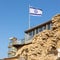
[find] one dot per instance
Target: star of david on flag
(35, 11)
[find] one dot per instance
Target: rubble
(44, 45)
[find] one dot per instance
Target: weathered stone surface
(44, 44)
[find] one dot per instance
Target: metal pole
(29, 16)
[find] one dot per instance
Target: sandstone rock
(44, 44)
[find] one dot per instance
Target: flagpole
(29, 17)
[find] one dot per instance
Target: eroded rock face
(44, 44)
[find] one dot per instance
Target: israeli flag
(35, 11)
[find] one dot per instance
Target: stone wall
(44, 44)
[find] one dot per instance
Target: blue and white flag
(35, 11)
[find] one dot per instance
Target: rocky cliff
(44, 45)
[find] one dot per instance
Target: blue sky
(14, 18)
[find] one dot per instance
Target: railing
(23, 41)
(28, 39)
(19, 42)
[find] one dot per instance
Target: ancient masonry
(44, 46)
